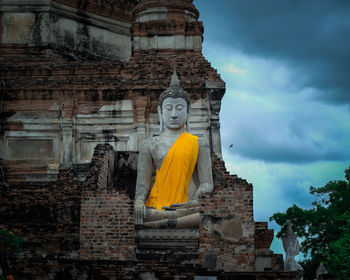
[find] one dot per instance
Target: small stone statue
(292, 248)
(321, 270)
(183, 167)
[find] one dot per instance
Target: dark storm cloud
(271, 150)
(312, 37)
(304, 132)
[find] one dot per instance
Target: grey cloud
(276, 137)
(260, 148)
(312, 37)
(292, 193)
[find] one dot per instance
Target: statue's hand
(188, 204)
(140, 211)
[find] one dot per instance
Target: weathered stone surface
(168, 238)
(167, 25)
(226, 228)
(65, 269)
(263, 236)
(265, 260)
(175, 10)
(18, 27)
(60, 24)
(47, 216)
(292, 248)
(79, 105)
(232, 199)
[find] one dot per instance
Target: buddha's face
(174, 112)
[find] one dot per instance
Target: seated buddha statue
(183, 167)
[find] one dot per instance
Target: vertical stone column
(140, 105)
(215, 91)
(67, 140)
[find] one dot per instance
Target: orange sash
(173, 178)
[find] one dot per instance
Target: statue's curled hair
(175, 91)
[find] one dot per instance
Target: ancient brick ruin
(80, 81)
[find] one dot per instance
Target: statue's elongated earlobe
(188, 120)
(160, 119)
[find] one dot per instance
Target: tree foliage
(9, 248)
(324, 228)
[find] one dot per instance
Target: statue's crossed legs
(175, 218)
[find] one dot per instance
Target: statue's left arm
(143, 182)
(204, 169)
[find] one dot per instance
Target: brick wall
(107, 218)
(46, 215)
(263, 236)
(232, 197)
(116, 9)
(68, 91)
(169, 27)
(277, 262)
(41, 269)
(104, 247)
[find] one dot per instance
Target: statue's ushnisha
(183, 167)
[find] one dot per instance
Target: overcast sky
(286, 110)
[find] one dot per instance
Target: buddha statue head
(174, 106)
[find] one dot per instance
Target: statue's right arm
(143, 182)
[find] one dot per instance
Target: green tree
(324, 228)
(9, 248)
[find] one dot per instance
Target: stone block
(62, 32)
(136, 43)
(197, 43)
(30, 149)
(166, 42)
(189, 44)
(263, 260)
(180, 42)
(18, 28)
(143, 43)
(61, 26)
(263, 236)
(226, 228)
(178, 239)
(158, 13)
(153, 42)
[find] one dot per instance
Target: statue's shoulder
(150, 143)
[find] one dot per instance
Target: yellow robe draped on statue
(173, 178)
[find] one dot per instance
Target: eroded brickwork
(74, 228)
(232, 197)
(263, 236)
(46, 215)
(106, 219)
(277, 262)
(130, 270)
(120, 10)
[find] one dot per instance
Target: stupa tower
(167, 25)
(168, 35)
